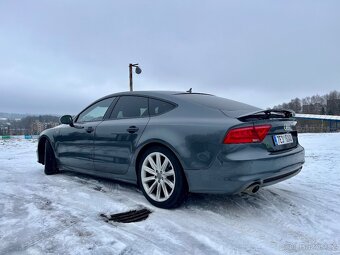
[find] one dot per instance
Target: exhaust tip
(252, 189)
(256, 189)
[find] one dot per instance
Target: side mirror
(66, 119)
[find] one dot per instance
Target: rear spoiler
(268, 114)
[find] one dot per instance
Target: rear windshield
(229, 107)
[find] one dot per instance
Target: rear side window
(157, 107)
(216, 102)
(229, 107)
(130, 107)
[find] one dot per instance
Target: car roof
(233, 108)
(165, 94)
(147, 93)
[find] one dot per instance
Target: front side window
(130, 107)
(95, 112)
(157, 107)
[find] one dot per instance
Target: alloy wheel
(158, 176)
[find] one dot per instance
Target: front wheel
(161, 178)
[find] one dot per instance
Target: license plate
(283, 139)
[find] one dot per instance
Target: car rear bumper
(232, 172)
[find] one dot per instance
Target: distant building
(17, 131)
(28, 125)
(37, 126)
(317, 123)
(4, 129)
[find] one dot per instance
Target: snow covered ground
(60, 214)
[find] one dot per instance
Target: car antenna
(190, 90)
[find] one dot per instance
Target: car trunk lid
(282, 134)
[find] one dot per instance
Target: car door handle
(132, 129)
(89, 129)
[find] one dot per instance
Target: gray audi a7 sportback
(171, 143)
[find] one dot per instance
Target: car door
(76, 144)
(116, 137)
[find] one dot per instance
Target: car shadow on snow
(268, 198)
(98, 183)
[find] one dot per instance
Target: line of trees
(326, 104)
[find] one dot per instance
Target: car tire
(50, 160)
(161, 178)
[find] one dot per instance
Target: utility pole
(138, 71)
(130, 77)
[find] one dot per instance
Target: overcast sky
(58, 56)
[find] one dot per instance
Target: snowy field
(60, 214)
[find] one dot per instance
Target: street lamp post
(138, 71)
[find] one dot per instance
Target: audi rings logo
(287, 127)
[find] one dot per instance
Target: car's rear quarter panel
(195, 134)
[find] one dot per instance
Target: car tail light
(252, 134)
